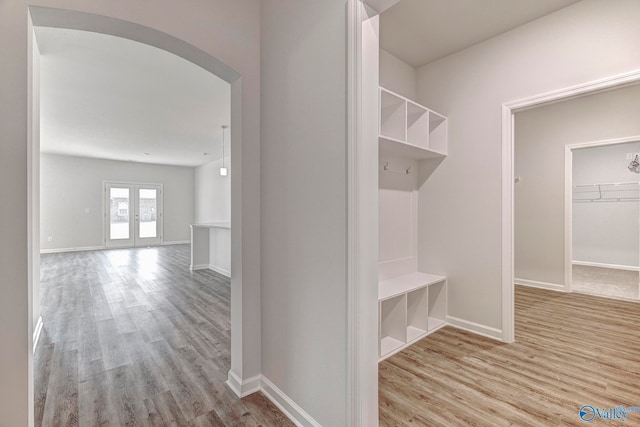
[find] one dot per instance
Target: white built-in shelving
(408, 129)
(412, 304)
(410, 307)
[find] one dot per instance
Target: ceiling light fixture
(223, 170)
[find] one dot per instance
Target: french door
(133, 214)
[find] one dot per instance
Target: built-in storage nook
(411, 303)
(409, 141)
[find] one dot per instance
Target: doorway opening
(603, 188)
(576, 210)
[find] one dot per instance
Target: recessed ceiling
(422, 31)
(111, 98)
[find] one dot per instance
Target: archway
(245, 235)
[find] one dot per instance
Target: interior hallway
(132, 337)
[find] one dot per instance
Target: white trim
(362, 230)
(241, 387)
(508, 109)
(294, 412)
(354, 284)
(603, 142)
(175, 242)
(82, 249)
(476, 328)
(568, 215)
(36, 333)
(220, 271)
(100, 248)
(618, 80)
(603, 265)
(508, 270)
(541, 285)
(211, 267)
(262, 384)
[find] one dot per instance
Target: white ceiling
(422, 31)
(113, 98)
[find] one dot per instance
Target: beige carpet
(606, 282)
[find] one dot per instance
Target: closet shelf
(609, 192)
(406, 283)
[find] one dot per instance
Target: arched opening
(245, 308)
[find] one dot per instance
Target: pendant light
(223, 170)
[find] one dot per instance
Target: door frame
(509, 109)
(133, 186)
(568, 198)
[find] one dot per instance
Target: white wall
(71, 185)
(397, 217)
(304, 206)
(462, 235)
(228, 31)
(540, 138)
(213, 204)
(607, 233)
(396, 75)
(213, 193)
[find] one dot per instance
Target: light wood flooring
(132, 337)
(571, 350)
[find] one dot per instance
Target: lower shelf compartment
(414, 333)
(435, 323)
(389, 344)
(410, 307)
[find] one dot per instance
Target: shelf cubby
(417, 125)
(437, 133)
(408, 129)
(437, 306)
(417, 313)
(393, 318)
(393, 110)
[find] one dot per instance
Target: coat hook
(408, 170)
(386, 166)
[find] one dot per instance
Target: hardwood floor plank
(133, 337)
(63, 383)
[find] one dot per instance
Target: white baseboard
(476, 328)
(541, 285)
(60, 250)
(211, 267)
(260, 383)
(99, 248)
(243, 388)
(219, 270)
(36, 333)
(286, 405)
(603, 265)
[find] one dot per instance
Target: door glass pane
(119, 213)
(148, 211)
